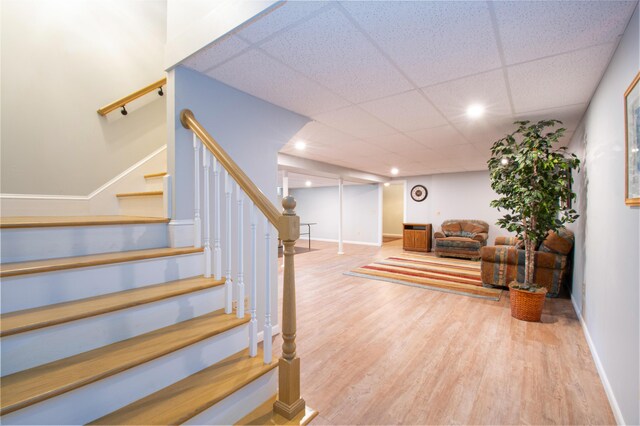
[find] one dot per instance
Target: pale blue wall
(606, 279)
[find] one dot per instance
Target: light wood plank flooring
(381, 353)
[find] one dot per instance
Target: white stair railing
(240, 280)
(197, 231)
(206, 163)
(253, 324)
(287, 224)
(228, 286)
(217, 250)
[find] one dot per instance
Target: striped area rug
(435, 273)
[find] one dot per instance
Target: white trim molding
(617, 413)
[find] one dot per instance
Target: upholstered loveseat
(461, 238)
(503, 263)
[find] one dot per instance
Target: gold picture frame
(632, 143)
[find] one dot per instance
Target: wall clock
(419, 193)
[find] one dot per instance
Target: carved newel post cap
(289, 205)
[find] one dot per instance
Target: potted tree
(533, 179)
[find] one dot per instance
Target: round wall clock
(419, 193)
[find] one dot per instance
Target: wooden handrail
(259, 199)
(135, 95)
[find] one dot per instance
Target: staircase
(134, 336)
(103, 323)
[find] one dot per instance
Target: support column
(289, 402)
(340, 197)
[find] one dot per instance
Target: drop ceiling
(387, 84)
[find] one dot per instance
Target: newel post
(289, 402)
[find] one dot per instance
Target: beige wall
(392, 209)
(61, 60)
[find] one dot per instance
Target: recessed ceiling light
(504, 161)
(475, 111)
(300, 145)
(387, 184)
(394, 171)
(308, 183)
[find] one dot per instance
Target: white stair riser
(149, 206)
(20, 245)
(35, 290)
(153, 184)
(97, 399)
(30, 349)
(240, 403)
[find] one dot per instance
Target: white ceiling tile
(406, 111)
(569, 115)
(284, 16)
(557, 26)
(257, 74)
(331, 51)
(431, 41)
(459, 152)
(355, 121)
(488, 89)
(215, 54)
(483, 132)
(315, 131)
(438, 136)
(565, 79)
(394, 143)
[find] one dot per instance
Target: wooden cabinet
(416, 237)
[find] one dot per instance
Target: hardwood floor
(374, 352)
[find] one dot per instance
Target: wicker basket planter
(526, 305)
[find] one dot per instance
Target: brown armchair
(461, 238)
(503, 263)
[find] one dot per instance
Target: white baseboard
(329, 240)
(617, 413)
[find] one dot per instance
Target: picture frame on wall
(632, 143)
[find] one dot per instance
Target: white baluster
(197, 236)
(240, 280)
(253, 325)
(268, 330)
(206, 162)
(228, 289)
(217, 251)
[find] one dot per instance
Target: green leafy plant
(533, 180)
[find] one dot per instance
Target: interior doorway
(392, 211)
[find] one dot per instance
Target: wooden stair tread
(139, 194)
(37, 384)
(32, 319)
(155, 175)
(48, 265)
(264, 415)
(181, 401)
(55, 221)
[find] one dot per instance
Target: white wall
(360, 219)
(392, 209)
(606, 278)
(61, 61)
(454, 196)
